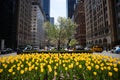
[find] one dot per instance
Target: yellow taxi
(97, 49)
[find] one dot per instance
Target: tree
(73, 42)
(60, 33)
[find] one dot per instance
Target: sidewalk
(11, 54)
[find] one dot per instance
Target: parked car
(6, 51)
(116, 49)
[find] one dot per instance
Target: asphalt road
(103, 53)
(11, 54)
(108, 53)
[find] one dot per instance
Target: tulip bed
(59, 67)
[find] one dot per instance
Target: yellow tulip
(22, 65)
(21, 71)
(55, 73)
(30, 68)
(115, 69)
(109, 73)
(115, 65)
(80, 66)
(102, 68)
(95, 73)
(77, 63)
(96, 66)
(66, 68)
(36, 68)
(10, 70)
(55, 67)
(1, 70)
(42, 70)
(13, 73)
(26, 68)
(63, 65)
(89, 68)
(18, 68)
(109, 68)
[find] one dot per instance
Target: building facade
(117, 20)
(15, 20)
(70, 7)
(99, 22)
(79, 19)
(45, 4)
(23, 22)
(7, 32)
(37, 31)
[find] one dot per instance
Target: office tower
(79, 19)
(7, 14)
(70, 7)
(15, 22)
(45, 4)
(116, 4)
(37, 31)
(23, 22)
(99, 22)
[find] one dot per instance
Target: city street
(109, 54)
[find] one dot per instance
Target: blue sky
(57, 8)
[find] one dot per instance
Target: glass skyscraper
(45, 4)
(70, 7)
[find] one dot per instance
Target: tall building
(79, 19)
(70, 7)
(7, 27)
(52, 20)
(37, 31)
(15, 22)
(23, 22)
(99, 22)
(46, 7)
(116, 4)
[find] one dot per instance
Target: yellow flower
(10, 70)
(22, 72)
(77, 63)
(4, 65)
(55, 67)
(1, 70)
(55, 73)
(26, 69)
(102, 68)
(89, 68)
(96, 66)
(22, 65)
(95, 73)
(92, 64)
(13, 73)
(80, 66)
(116, 69)
(63, 65)
(18, 68)
(115, 65)
(36, 68)
(50, 69)
(110, 73)
(66, 68)
(102, 64)
(30, 68)
(109, 68)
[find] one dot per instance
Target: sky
(57, 8)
